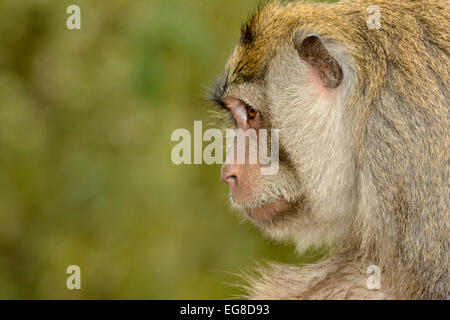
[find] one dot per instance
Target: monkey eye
(244, 115)
(251, 113)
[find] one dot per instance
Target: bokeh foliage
(85, 172)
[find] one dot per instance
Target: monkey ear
(312, 50)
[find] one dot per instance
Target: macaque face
(299, 92)
(270, 201)
(263, 198)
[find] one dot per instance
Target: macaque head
(297, 79)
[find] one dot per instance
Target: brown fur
(337, 278)
(398, 113)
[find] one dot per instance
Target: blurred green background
(85, 171)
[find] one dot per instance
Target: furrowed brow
(218, 101)
(218, 93)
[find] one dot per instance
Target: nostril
(229, 179)
(229, 174)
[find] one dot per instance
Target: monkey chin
(268, 211)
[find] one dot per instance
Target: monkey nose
(228, 175)
(230, 180)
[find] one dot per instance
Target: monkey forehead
(251, 56)
(268, 27)
(260, 36)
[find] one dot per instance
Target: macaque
(363, 119)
